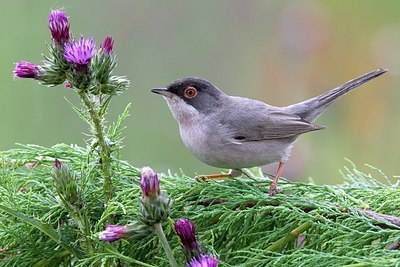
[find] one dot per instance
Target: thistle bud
(186, 233)
(57, 164)
(55, 65)
(65, 183)
(26, 69)
(113, 233)
(149, 183)
(59, 27)
(117, 232)
(107, 45)
(155, 204)
(103, 66)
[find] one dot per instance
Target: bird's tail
(312, 108)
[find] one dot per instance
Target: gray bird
(233, 132)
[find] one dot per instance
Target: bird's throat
(184, 113)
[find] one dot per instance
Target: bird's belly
(224, 153)
(247, 155)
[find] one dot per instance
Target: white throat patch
(182, 112)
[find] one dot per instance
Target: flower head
(107, 45)
(203, 261)
(65, 182)
(136, 230)
(26, 69)
(149, 183)
(155, 204)
(61, 172)
(57, 164)
(80, 52)
(59, 26)
(113, 233)
(186, 232)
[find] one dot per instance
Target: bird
(233, 132)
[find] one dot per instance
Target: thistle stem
(164, 243)
(105, 151)
(80, 218)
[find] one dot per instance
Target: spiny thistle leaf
(104, 106)
(115, 131)
(81, 113)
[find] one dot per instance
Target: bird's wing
(269, 123)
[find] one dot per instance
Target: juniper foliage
(354, 224)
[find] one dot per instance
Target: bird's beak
(162, 91)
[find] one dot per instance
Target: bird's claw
(230, 174)
(273, 190)
(200, 178)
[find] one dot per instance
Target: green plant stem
(80, 217)
(87, 231)
(127, 259)
(277, 245)
(105, 151)
(164, 243)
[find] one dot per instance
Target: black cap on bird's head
(197, 92)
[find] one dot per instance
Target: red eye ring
(190, 92)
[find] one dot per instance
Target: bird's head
(191, 97)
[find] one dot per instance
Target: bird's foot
(205, 178)
(230, 174)
(273, 190)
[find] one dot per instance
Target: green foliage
(234, 218)
(55, 201)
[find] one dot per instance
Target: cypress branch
(304, 224)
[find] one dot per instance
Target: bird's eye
(190, 92)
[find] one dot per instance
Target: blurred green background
(280, 52)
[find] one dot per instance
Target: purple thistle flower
(107, 45)
(60, 174)
(59, 26)
(26, 69)
(57, 164)
(203, 261)
(149, 183)
(80, 52)
(186, 232)
(113, 233)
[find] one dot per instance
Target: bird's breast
(214, 146)
(203, 140)
(194, 137)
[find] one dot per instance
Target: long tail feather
(312, 108)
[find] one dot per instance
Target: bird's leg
(272, 188)
(231, 174)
